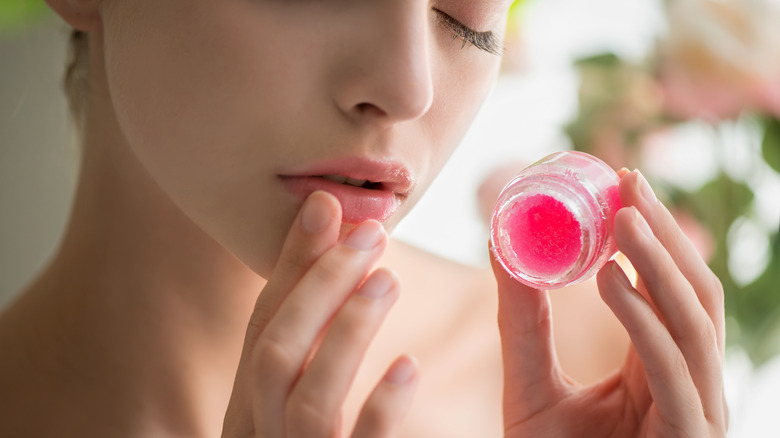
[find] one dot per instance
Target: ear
(80, 14)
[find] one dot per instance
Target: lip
(391, 184)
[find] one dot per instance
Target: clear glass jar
(552, 223)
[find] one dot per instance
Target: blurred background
(688, 91)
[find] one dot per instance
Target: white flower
(721, 56)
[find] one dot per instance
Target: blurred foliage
(621, 105)
(515, 11)
(18, 14)
(516, 7)
(617, 103)
(757, 309)
(770, 145)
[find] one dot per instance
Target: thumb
(532, 377)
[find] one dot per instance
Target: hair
(76, 78)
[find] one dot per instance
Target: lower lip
(358, 204)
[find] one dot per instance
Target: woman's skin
(200, 113)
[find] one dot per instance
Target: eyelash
(486, 41)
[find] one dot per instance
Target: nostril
(369, 109)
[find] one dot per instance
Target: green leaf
(16, 14)
(721, 201)
(770, 145)
(516, 6)
(716, 205)
(758, 310)
(603, 60)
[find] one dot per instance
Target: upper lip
(387, 174)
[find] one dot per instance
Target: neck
(143, 298)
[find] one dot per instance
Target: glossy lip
(391, 184)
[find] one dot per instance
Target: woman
(237, 147)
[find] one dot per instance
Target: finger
(531, 371)
(635, 379)
(288, 339)
(668, 377)
(634, 190)
(678, 307)
(316, 401)
(389, 403)
(314, 231)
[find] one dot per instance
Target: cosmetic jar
(552, 223)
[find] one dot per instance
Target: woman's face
(238, 108)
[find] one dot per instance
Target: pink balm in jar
(552, 224)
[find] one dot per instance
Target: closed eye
(486, 41)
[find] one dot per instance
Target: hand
(309, 331)
(671, 382)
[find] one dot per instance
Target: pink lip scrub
(552, 224)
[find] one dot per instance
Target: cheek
(156, 80)
(199, 105)
(463, 85)
(174, 89)
(212, 85)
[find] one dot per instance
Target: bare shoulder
(43, 390)
(446, 317)
(589, 340)
(427, 273)
(25, 383)
(451, 300)
(409, 259)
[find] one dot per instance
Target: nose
(384, 74)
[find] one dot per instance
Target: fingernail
(645, 189)
(378, 284)
(315, 215)
(402, 370)
(641, 223)
(366, 236)
(618, 272)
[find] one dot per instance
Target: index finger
(314, 231)
(635, 191)
(531, 370)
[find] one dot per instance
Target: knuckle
(270, 354)
(698, 333)
(715, 283)
(305, 410)
(708, 336)
(679, 368)
(337, 265)
(672, 369)
(329, 268)
(353, 324)
(296, 261)
(643, 326)
(715, 287)
(680, 430)
(257, 321)
(707, 343)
